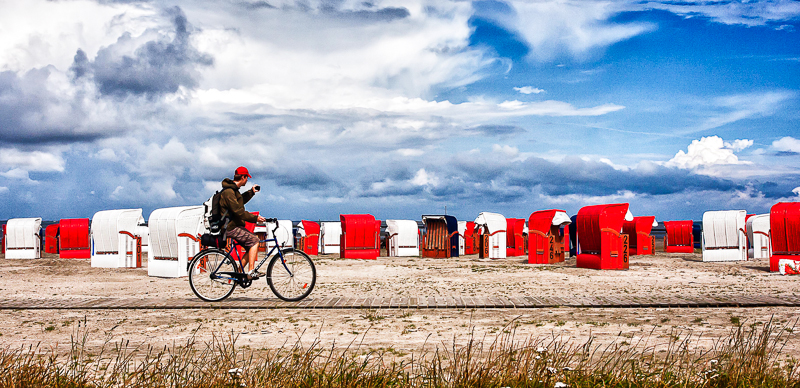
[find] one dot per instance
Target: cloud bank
(379, 105)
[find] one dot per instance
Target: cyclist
(231, 203)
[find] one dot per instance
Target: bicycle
(214, 273)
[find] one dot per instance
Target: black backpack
(215, 221)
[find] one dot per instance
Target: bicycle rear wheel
(207, 275)
(296, 279)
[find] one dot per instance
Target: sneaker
(253, 275)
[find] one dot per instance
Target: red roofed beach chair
(308, 237)
(514, 237)
(51, 239)
(360, 236)
(546, 242)
(602, 245)
(470, 239)
(640, 242)
(73, 239)
(784, 220)
(679, 238)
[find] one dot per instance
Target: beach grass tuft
(750, 356)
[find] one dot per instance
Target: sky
(399, 108)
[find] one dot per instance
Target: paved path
(438, 302)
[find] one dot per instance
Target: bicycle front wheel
(209, 275)
(293, 278)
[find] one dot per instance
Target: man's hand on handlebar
(262, 220)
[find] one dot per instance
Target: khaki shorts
(242, 236)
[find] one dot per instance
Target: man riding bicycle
(232, 202)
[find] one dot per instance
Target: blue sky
(400, 108)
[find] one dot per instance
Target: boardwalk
(449, 302)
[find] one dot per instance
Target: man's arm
(233, 208)
(247, 195)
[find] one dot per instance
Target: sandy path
(402, 330)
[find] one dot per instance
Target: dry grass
(748, 357)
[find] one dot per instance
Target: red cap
(242, 170)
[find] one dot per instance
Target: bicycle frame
(239, 257)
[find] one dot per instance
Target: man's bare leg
(252, 256)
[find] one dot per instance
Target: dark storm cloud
(302, 176)
(379, 15)
(392, 189)
(496, 130)
(780, 189)
(123, 1)
(249, 117)
(577, 176)
(477, 168)
(80, 65)
(391, 180)
(496, 178)
(31, 114)
(257, 5)
(155, 68)
(474, 175)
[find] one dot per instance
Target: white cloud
(3, 189)
(12, 158)
(584, 200)
(107, 154)
(211, 186)
(739, 144)
(615, 166)
(159, 190)
(749, 13)
(709, 151)
(745, 106)
(410, 152)
(575, 27)
(295, 66)
(787, 144)
(796, 190)
(511, 105)
(529, 90)
(38, 33)
(424, 178)
(506, 150)
(16, 173)
(173, 157)
(388, 69)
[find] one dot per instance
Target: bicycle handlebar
(272, 221)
